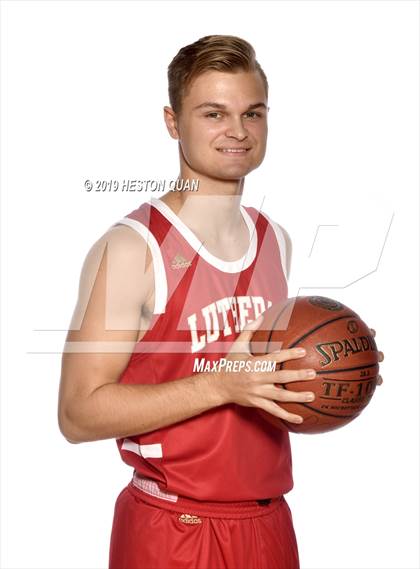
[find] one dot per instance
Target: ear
(171, 122)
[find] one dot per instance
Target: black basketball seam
(335, 379)
(346, 369)
(330, 414)
(317, 328)
(322, 372)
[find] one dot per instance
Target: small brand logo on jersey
(180, 262)
(188, 519)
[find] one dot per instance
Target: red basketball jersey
(228, 453)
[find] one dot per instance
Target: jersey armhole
(161, 287)
(281, 241)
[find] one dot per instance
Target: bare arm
(116, 279)
(116, 410)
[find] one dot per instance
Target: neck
(214, 208)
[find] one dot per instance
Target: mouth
(233, 151)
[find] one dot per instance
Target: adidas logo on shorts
(188, 519)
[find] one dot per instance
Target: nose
(236, 129)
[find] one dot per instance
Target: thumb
(241, 344)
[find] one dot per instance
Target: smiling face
(222, 127)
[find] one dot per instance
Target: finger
(373, 332)
(241, 344)
(287, 375)
(381, 356)
(284, 355)
(281, 394)
(274, 409)
(379, 380)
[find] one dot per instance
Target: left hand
(379, 380)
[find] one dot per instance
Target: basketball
(339, 347)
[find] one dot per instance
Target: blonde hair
(216, 52)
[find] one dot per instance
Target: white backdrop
(83, 86)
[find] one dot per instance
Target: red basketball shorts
(149, 532)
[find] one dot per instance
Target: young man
(180, 282)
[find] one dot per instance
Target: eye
(214, 115)
(253, 114)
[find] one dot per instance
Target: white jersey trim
(151, 487)
(225, 266)
(146, 451)
(280, 240)
(161, 286)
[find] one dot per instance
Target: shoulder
(126, 239)
(125, 242)
(118, 251)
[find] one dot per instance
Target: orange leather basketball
(339, 347)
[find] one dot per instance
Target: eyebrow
(223, 107)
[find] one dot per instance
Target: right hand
(258, 388)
